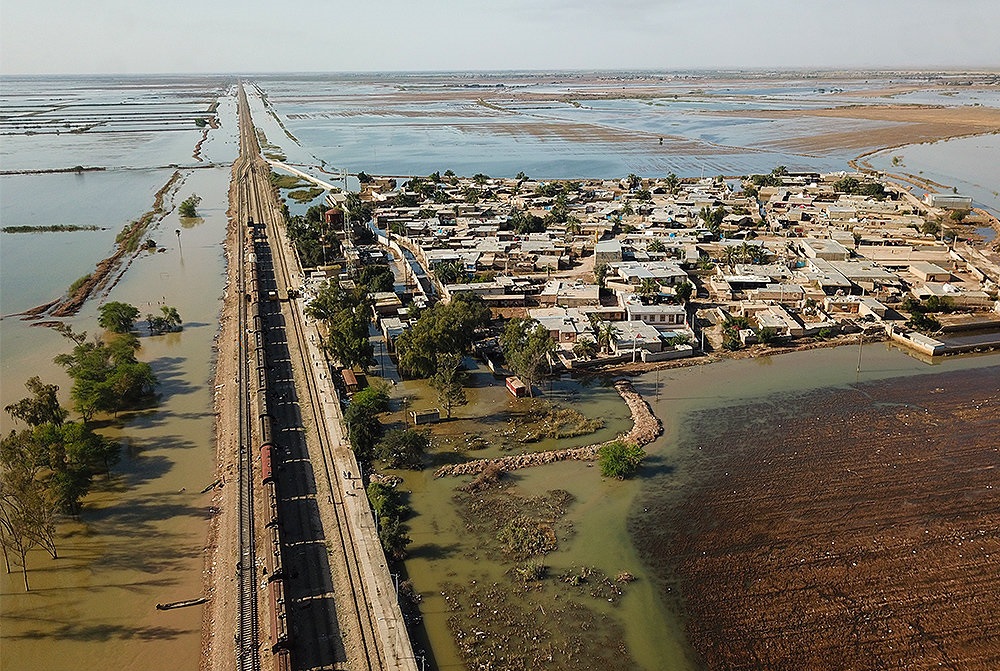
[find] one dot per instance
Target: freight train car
(279, 617)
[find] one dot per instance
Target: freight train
(270, 453)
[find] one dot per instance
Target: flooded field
(456, 563)
(141, 535)
(850, 523)
(592, 125)
(593, 596)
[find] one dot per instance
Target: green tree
(347, 338)
(521, 222)
(683, 291)
(168, 320)
(403, 448)
(768, 335)
(673, 184)
(117, 317)
(601, 274)
(619, 459)
(106, 376)
(605, 333)
(713, 218)
(445, 327)
(527, 346)
(449, 380)
(368, 402)
(364, 428)
(189, 207)
(26, 518)
(394, 536)
(649, 289)
(450, 272)
(656, 245)
(585, 348)
(41, 407)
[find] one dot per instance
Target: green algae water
(604, 514)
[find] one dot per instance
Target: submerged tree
(403, 448)
(527, 347)
(189, 207)
(169, 320)
(106, 375)
(449, 380)
(41, 407)
(620, 459)
(117, 317)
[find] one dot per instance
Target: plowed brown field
(844, 529)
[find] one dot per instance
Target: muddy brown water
(140, 539)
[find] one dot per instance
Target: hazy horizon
(117, 37)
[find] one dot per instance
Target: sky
(184, 36)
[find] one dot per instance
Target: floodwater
(140, 539)
(968, 164)
(444, 553)
(400, 125)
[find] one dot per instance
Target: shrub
(620, 459)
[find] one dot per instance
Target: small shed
(432, 416)
(350, 380)
(516, 388)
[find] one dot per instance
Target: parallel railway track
(312, 638)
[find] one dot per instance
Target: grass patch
(306, 195)
(288, 181)
(547, 420)
(79, 282)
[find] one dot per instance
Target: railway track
(248, 633)
(372, 655)
(322, 555)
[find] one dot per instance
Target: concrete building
(829, 250)
(607, 252)
(658, 316)
(569, 294)
(632, 336)
(948, 201)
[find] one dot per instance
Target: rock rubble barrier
(645, 429)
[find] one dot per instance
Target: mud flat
(856, 525)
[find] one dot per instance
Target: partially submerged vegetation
(48, 468)
(545, 420)
(510, 622)
(52, 228)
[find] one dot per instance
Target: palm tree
(605, 332)
(673, 184)
(729, 255)
(649, 288)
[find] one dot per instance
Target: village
(647, 270)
